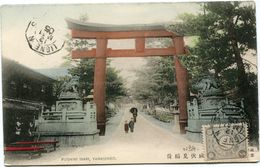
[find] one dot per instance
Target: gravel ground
(164, 125)
(151, 142)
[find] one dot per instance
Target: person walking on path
(126, 127)
(18, 128)
(131, 125)
(135, 114)
(134, 111)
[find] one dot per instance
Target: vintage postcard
(130, 83)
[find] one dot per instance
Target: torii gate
(103, 32)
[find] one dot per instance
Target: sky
(15, 19)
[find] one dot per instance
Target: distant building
(25, 93)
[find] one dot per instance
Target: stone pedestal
(176, 126)
(210, 107)
(72, 139)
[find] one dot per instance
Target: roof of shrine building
(15, 69)
(99, 27)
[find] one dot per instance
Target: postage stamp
(225, 141)
(43, 39)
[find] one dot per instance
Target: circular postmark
(226, 140)
(43, 39)
(228, 135)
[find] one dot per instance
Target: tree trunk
(242, 81)
(241, 77)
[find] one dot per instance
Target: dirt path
(148, 144)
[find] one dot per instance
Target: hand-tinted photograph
(129, 83)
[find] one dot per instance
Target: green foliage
(164, 117)
(84, 69)
(226, 32)
(59, 85)
(114, 85)
(84, 18)
(187, 26)
(156, 82)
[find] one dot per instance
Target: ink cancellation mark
(225, 141)
(43, 39)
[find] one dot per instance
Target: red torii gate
(103, 32)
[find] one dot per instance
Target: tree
(59, 84)
(225, 32)
(156, 82)
(84, 69)
(114, 85)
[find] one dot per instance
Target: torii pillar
(99, 83)
(182, 83)
(103, 32)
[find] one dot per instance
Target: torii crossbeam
(103, 32)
